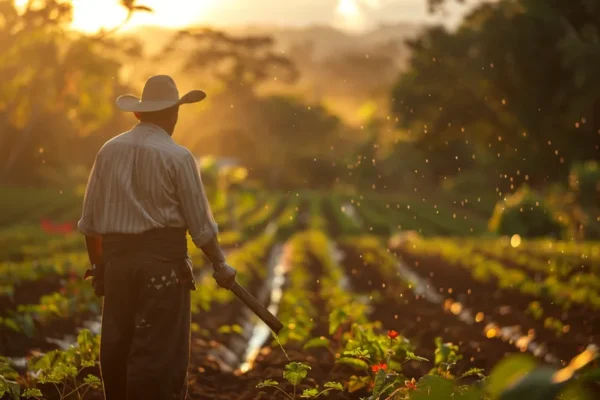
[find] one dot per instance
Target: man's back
(143, 180)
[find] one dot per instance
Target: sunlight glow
(349, 16)
(348, 9)
(90, 16)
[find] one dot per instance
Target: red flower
(46, 225)
(50, 227)
(377, 367)
(392, 334)
(411, 385)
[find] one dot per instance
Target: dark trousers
(145, 341)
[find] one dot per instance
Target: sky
(350, 15)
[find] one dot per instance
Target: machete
(258, 309)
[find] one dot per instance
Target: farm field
(411, 187)
(380, 298)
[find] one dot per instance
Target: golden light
(90, 16)
(584, 358)
(456, 308)
(348, 8)
(563, 375)
(349, 15)
(515, 241)
(479, 317)
(578, 362)
(523, 343)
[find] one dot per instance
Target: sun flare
(90, 16)
(348, 8)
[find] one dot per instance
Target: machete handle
(258, 309)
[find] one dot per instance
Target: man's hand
(224, 275)
(96, 272)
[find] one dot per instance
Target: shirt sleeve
(194, 203)
(86, 223)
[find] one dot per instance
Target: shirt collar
(151, 127)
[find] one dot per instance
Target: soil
(507, 306)
(399, 309)
(422, 321)
(207, 381)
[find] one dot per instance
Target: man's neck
(159, 125)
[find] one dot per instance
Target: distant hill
(342, 69)
(324, 39)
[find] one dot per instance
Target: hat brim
(130, 103)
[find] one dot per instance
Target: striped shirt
(143, 180)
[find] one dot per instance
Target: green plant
(8, 376)
(535, 309)
(64, 370)
(380, 356)
(527, 214)
(584, 180)
(295, 373)
(518, 377)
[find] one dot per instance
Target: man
(143, 194)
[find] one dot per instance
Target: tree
(57, 84)
(284, 142)
(501, 84)
(241, 63)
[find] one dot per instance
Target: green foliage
(316, 343)
(53, 75)
(483, 259)
(526, 214)
(295, 373)
(32, 393)
(518, 377)
(475, 99)
(64, 370)
(9, 388)
(584, 180)
(228, 329)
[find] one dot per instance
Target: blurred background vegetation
(501, 111)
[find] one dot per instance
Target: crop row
(373, 358)
(484, 268)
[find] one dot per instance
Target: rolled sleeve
(86, 223)
(194, 203)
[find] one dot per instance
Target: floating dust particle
(479, 317)
(523, 343)
(456, 308)
(515, 241)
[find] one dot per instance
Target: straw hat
(160, 92)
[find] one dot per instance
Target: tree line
(510, 96)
